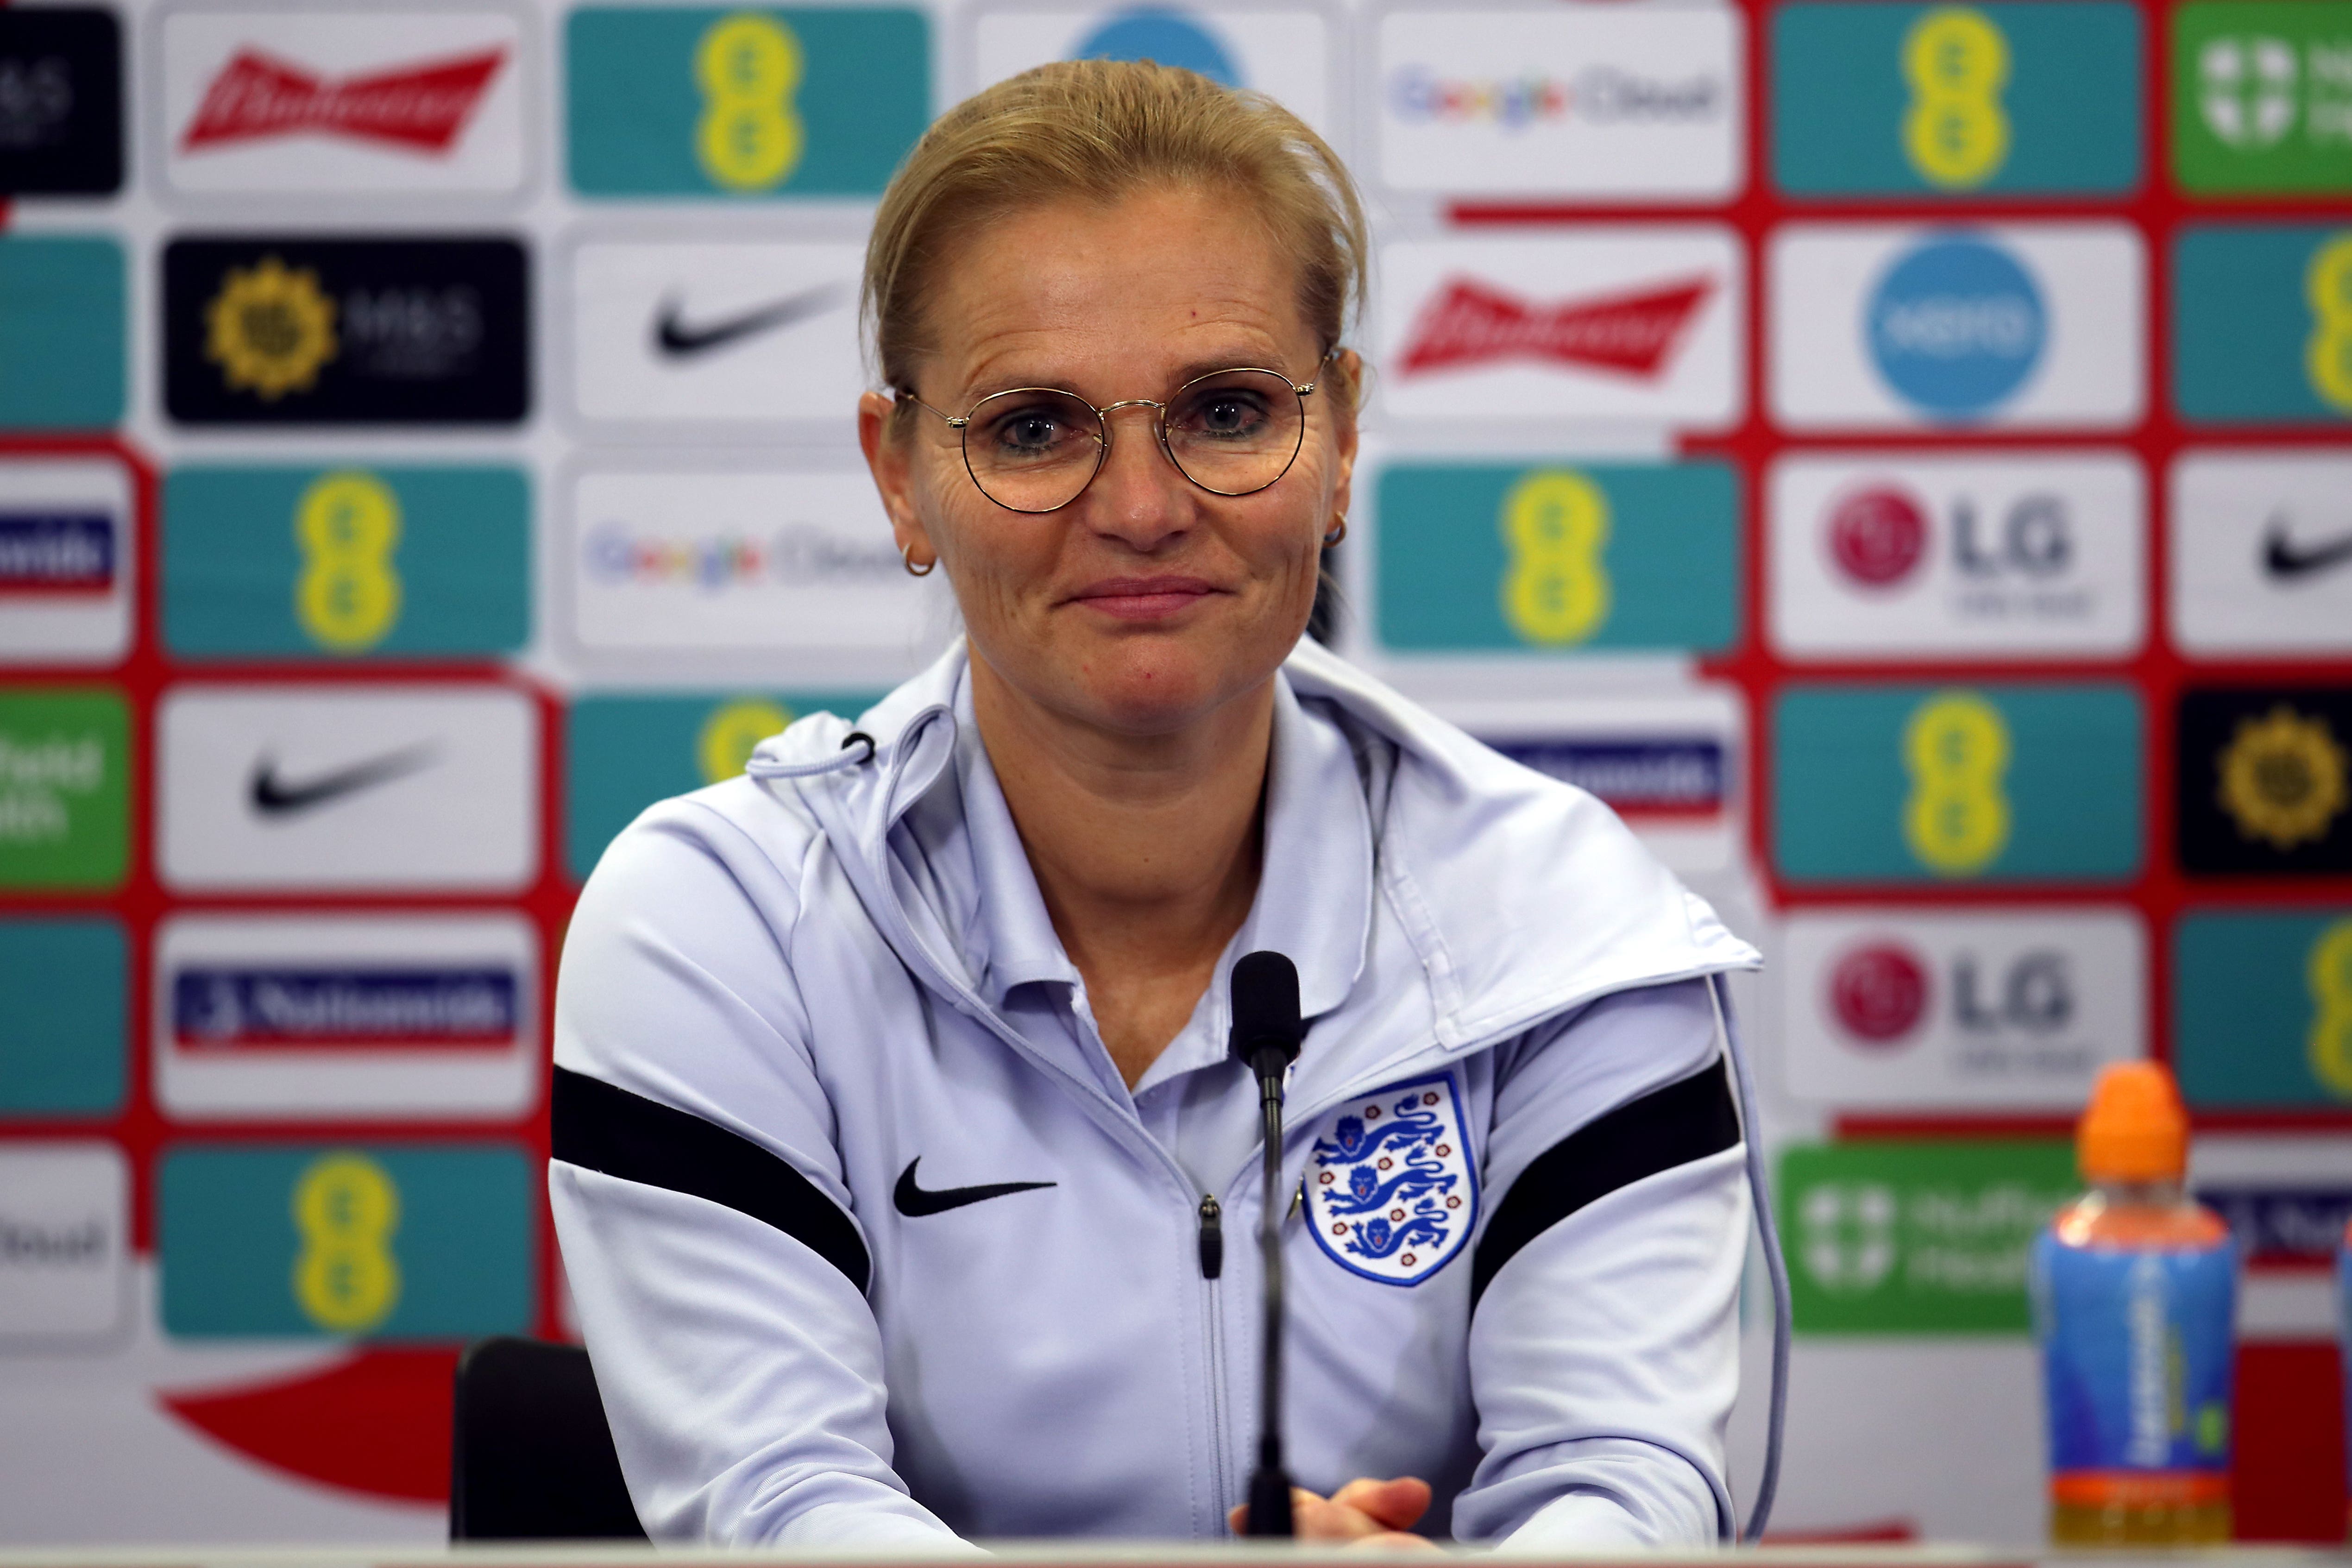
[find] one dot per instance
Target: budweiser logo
(1470, 323)
(421, 107)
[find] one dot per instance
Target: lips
(1144, 598)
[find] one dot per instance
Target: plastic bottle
(2134, 1295)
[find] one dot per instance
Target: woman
(897, 1145)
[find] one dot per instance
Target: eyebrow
(1191, 370)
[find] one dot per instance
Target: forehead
(1112, 300)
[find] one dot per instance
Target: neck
(1146, 849)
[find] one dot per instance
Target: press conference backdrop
(1900, 456)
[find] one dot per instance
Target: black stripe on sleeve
(599, 1127)
(1666, 1127)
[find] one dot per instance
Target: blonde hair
(1097, 131)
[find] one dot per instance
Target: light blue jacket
(873, 1246)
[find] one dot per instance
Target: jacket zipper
(1211, 1239)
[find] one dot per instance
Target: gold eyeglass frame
(962, 425)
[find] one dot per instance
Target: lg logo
(1878, 535)
(1881, 992)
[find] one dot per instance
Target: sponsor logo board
(63, 984)
(68, 558)
(712, 568)
(2262, 1008)
(60, 101)
(318, 1017)
(1284, 51)
(295, 329)
(65, 1244)
(348, 787)
(2265, 780)
(2262, 97)
(353, 103)
(382, 1241)
(2261, 323)
(62, 319)
(2007, 1010)
(2262, 551)
(1632, 105)
(346, 563)
(1912, 556)
(750, 103)
(750, 333)
(1991, 783)
(1928, 1236)
(624, 752)
(1601, 556)
(65, 788)
(1956, 100)
(1620, 322)
(1879, 326)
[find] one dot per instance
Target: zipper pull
(1213, 1237)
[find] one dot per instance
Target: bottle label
(2136, 1355)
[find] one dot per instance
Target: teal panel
(2261, 323)
(392, 1242)
(64, 1000)
(623, 753)
(766, 102)
(301, 562)
(1956, 100)
(2261, 1009)
(1559, 558)
(1942, 784)
(61, 332)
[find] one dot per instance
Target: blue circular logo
(1164, 38)
(1957, 326)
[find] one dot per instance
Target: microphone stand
(1266, 1035)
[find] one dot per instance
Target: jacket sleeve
(1604, 1328)
(709, 1241)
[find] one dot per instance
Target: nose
(1137, 497)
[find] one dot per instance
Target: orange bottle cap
(2136, 1129)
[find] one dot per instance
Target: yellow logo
(1556, 591)
(347, 596)
(731, 732)
(2328, 356)
(1956, 132)
(270, 329)
(1955, 749)
(2282, 778)
(345, 1209)
(2329, 974)
(748, 67)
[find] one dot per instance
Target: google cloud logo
(1957, 326)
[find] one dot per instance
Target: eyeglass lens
(1234, 432)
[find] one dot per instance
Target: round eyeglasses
(1036, 448)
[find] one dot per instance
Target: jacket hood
(1522, 896)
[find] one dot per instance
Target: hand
(1361, 1513)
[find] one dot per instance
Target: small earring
(1339, 532)
(907, 560)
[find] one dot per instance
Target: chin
(1143, 690)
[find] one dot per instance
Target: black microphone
(1266, 1032)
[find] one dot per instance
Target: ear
(1346, 379)
(889, 458)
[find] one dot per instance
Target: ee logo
(1555, 589)
(346, 1208)
(746, 68)
(1956, 748)
(2328, 356)
(733, 731)
(347, 596)
(1956, 133)
(2329, 974)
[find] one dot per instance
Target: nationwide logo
(2282, 778)
(417, 108)
(49, 553)
(1630, 334)
(1878, 535)
(222, 1007)
(2283, 1225)
(1666, 777)
(1878, 993)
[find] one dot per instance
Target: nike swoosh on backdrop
(275, 796)
(2281, 558)
(915, 1203)
(674, 338)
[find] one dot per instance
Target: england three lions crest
(1391, 1191)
